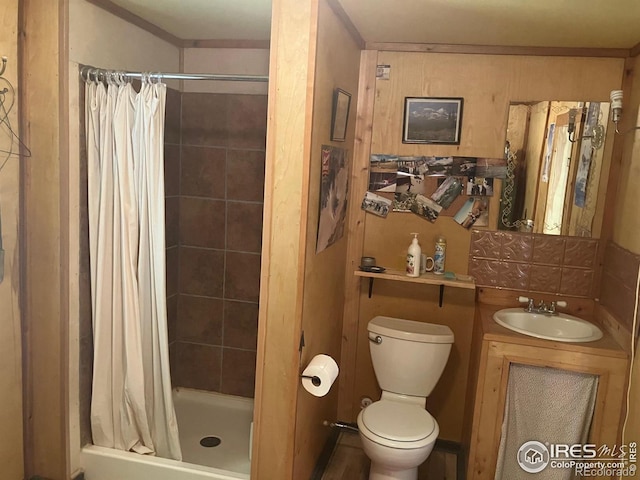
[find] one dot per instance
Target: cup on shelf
(367, 262)
(423, 264)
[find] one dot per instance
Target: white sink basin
(561, 327)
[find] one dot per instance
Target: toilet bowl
(397, 437)
(397, 432)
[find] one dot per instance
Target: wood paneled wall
(311, 55)
(11, 452)
(336, 66)
(488, 83)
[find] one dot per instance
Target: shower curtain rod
(87, 72)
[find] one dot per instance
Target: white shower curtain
(131, 404)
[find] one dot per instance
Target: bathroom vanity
(495, 348)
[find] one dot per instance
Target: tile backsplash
(618, 286)
(533, 262)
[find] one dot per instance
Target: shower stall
(214, 152)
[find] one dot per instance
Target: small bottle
(413, 257)
(438, 257)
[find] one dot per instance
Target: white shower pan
(201, 415)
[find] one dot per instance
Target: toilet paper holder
(314, 379)
(319, 375)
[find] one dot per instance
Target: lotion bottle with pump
(414, 255)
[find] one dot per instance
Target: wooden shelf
(426, 279)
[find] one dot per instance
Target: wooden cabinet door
(490, 395)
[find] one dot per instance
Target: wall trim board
(221, 43)
(355, 230)
(499, 50)
(69, 225)
(22, 235)
(346, 21)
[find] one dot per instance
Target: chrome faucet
(530, 307)
(542, 307)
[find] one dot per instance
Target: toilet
(397, 431)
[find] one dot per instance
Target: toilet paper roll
(319, 375)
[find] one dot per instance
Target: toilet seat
(398, 424)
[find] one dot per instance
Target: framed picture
(341, 104)
(432, 120)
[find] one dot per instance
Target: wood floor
(349, 462)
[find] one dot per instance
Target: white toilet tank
(408, 357)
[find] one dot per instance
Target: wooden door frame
(44, 235)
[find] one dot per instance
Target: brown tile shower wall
(619, 280)
(533, 262)
(218, 230)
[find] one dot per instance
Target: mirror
(555, 155)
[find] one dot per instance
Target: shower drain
(210, 441)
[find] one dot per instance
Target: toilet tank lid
(410, 330)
